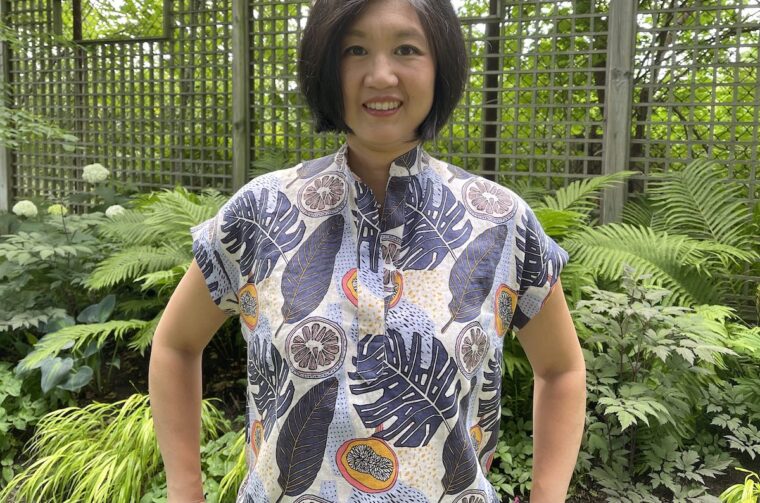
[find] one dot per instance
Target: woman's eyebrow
(402, 33)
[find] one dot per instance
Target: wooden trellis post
(5, 153)
(241, 110)
(617, 103)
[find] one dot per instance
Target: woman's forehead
(397, 18)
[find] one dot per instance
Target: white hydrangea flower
(94, 173)
(57, 209)
(114, 210)
(25, 208)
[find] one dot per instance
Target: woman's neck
(373, 166)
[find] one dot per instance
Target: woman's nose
(381, 73)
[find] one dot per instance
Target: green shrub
(655, 390)
(99, 453)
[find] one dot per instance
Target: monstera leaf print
(489, 410)
(313, 167)
(542, 255)
(394, 206)
(472, 276)
(275, 390)
(307, 275)
(303, 437)
(367, 220)
(416, 398)
(264, 234)
(459, 459)
(434, 228)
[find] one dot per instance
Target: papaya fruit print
(374, 331)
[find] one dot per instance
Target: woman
(374, 287)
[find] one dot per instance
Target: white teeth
(389, 105)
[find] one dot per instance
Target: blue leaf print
(458, 173)
(367, 220)
(489, 410)
(472, 276)
(275, 390)
(433, 228)
(394, 208)
(307, 276)
(263, 233)
(542, 254)
(313, 167)
(303, 437)
(415, 395)
(459, 460)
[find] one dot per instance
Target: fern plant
(699, 203)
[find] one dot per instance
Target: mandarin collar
(410, 163)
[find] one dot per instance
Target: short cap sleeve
(220, 267)
(539, 262)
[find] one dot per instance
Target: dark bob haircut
(320, 58)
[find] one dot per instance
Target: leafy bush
(653, 378)
(99, 453)
(20, 409)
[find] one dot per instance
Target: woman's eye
(355, 50)
(407, 50)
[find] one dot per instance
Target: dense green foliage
(673, 383)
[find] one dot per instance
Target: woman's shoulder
(287, 179)
(484, 198)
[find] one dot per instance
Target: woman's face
(387, 76)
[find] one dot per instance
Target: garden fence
(559, 91)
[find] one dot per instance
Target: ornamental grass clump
(99, 453)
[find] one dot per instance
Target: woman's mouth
(382, 108)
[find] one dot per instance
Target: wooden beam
(491, 94)
(241, 110)
(6, 166)
(621, 40)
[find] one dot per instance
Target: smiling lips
(382, 108)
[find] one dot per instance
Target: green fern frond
(164, 280)
(581, 196)
(638, 211)
(77, 337)
(131, 263)
(528, 190)
(670, 259)
(142, 339)
(559, 223)
(697, 202)
(724, 255)
(129, 227)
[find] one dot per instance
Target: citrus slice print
(249, 305)
(350, 286)
(368, 464)
(505, 303)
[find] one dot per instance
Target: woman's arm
(174, 380)
(559, 397)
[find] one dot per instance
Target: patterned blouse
(374, 334)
